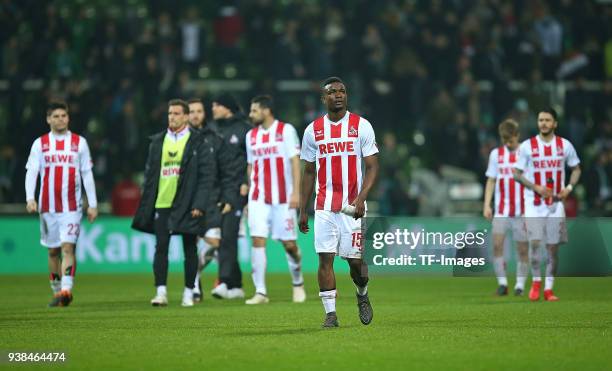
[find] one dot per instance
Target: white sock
(295, 268)
(161, 290)
(188, 293)
(258, 263)
(522, 270)
(329, 300)
(500, 270)
(196, 286)
(56, 285)
(362, 290)
(548, 283)
(67, 282)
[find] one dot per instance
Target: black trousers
(229, 269)
(160, 260)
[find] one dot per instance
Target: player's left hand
(563, 194)
(303, 222)
(359, 208)
(244, 190)
(196, 213)
(92, 214)
(294, 200)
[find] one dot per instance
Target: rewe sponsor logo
(336, 147)
(263, 151)
(60, 159)
(547, 164)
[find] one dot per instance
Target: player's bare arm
(541, 190)
(574, 178)
(92, 214)
(487, 210)
(371, 174)
(294, 198)
(307, 186)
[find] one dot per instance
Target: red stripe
(353, 131)
(558, 183)
(549, 175)
(535, 151)
(512, 157)
(559, 142)
(265, 138)
(280, 175)
(322, 179)
(338, 193)
(267, 181)
(547, 151)
(59, 174)
(335, 130)
(319, 129)
(502, 195)
(500, 154)
(74, 142)
(59, 145)
(73, 270)
(537, 178)
(255, 195)
(44, 207)
(352, 178)
(44, 143)
(522, 199)
(72, 204)
(512, 197)
(278, 135)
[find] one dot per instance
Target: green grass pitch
(419, 323)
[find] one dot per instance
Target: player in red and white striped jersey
(333, 148)
(509, 207)
(62, 158)
(273, 169)
(541, 168)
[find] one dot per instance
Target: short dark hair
(52, 106)
(179, 102)
(195, 100)
(550, 111)
(330, 80)
(264, 101)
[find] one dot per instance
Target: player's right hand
(487, 212)
(303, 222)
(31, 206)
(543, 191)
(225, 208)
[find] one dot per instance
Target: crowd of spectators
(414, 68)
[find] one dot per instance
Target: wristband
(569, 187)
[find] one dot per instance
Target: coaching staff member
(176, 193)
(233, 126)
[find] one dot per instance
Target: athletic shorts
(337, 233)
(503, 224)
(546, 223)
(213, 233)
(275, 221)
(58, 228)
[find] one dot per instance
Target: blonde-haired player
(509, 207)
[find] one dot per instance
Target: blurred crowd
(414, 68)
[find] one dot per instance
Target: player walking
(509, 208)
(541, 169)
(273, 170)
(62, 158)
(333, 148)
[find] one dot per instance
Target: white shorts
(58, 228)
(551, 230)
(213, 233)
(337, 233)
(503, 224)
(279, 219)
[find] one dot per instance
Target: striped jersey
(544, 164)
(60, 159)
(338, 149)
(269, 152)
(509, 194)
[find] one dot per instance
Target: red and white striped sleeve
(291, 141)
(524, 154)
(368, 139)
(33, 168)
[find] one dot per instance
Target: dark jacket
(195, 187)
(233, 131)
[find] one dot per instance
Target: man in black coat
(233, 127)
(177, 191)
